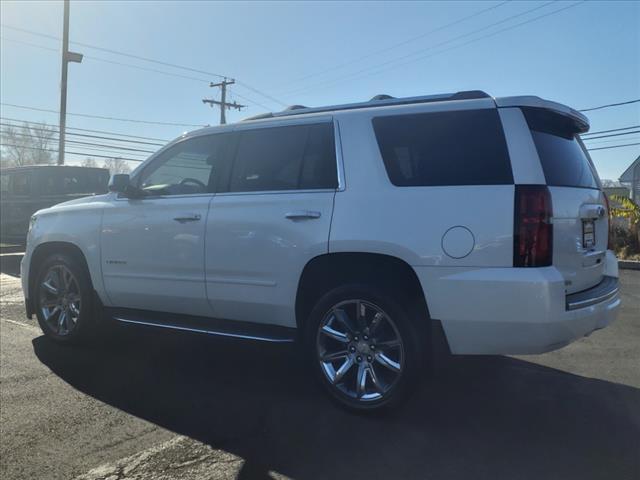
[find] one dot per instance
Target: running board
(210, 326)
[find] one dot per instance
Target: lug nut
(372, 347)
(355, 338)
(366, 337)
(369, 358)
(359, 358)
(352, 349)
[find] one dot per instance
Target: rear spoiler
(580, 120)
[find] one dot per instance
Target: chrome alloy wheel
(59, 300)
(360, 350)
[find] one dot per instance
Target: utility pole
(223, 99)
(67, 57)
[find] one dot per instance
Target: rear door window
(296, 157)
(563, 157)
(21, 184)
(444, 148)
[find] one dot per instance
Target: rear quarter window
(464, 147)
(564, 160)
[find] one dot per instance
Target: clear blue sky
(584, 56)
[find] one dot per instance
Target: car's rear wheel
(364, 347)
(64, 299)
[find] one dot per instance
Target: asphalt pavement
(147, 404)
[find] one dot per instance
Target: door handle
(302, 214)
(191, 218)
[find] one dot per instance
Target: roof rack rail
(377, 101)
(382, 96)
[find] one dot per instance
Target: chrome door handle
(191, 218)
(302, 214)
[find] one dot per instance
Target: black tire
(402, 315)
(83, 326)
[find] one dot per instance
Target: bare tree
(116, 165)
(89, 162)
(29, 144)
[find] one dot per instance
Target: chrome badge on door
(588, 234)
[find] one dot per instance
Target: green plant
(626, 208)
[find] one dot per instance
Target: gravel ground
(142, 404)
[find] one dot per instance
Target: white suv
(364, 231)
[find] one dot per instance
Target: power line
(248, 87)
(613, 135)
(249, 100)
(115, 147)
(74, 153)
(153, 70)
(89, 130)
(145, 59)
(99, 137)
(614, 146)
(104, 118)
(612, 130)
(115, 52)
(445, 42)
(612, 140)
(610, 105)
(492, 34)
(35, 45)
(404, 42)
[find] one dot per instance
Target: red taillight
(609, 222)
(532, 228)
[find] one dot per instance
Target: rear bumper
(514, 310)
(602, 292)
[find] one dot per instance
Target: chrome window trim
(276, 192)
(316, 120)
(120, 197)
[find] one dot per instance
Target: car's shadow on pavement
(482, 417)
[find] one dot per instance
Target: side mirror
(121, 183)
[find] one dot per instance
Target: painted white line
(23, 325)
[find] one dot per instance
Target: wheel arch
(327, 271)
(46, 249)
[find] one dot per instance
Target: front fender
(77, 225)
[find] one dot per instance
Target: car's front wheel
(364, 347)
(64, 299)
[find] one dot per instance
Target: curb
(629, 264)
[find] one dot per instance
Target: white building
(631, 178)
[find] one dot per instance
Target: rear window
(444, 148)
(564, 160)
(70, 181)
